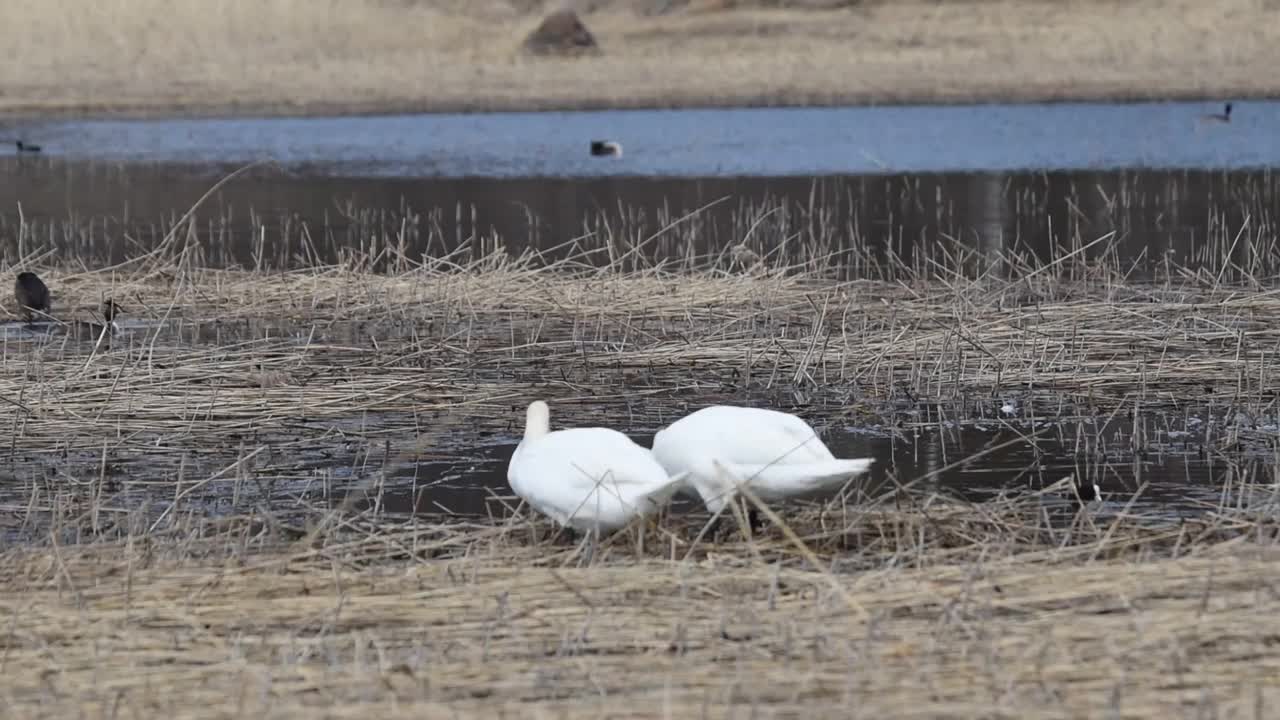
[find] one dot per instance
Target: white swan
(586, 478)
(776, 455)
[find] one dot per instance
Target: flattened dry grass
(927, 609)
(209, 353)
(287, 56)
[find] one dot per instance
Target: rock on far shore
(561, 33)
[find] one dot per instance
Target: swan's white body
(776, 455)
(586, 478)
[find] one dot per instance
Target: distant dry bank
(303, 56)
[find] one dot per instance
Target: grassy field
(292, 56)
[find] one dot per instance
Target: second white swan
(586, 478)
(776, 455)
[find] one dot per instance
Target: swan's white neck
(537, 421)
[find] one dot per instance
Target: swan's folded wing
(805, 445)
(795, 479)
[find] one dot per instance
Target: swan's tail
(663, 493)
(612, 505)
(775, 480)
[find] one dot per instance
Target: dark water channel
(852, 226)
(66, 207)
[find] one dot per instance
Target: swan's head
(537, 420)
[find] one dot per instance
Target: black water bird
(1222, 117)
(27, 147)
(606, 148)
(31, 293)
(1087, 490)
(110, 310)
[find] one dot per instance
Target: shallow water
(728, 142)
(1175, 477)
(304, 472)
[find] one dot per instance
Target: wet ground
(857, 193)
(1184, 458)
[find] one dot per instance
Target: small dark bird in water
(110, 310)
(27, 147)
(1087, 491)
(606, 148)
(31, 293)
(1224, 116)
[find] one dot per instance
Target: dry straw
(969, 611)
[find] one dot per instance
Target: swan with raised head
(776, 455)
(586, 478)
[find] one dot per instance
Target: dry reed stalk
(220, 621)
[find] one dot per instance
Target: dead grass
(231, 383)
(341, 340)
(929, 608)
(286, 56)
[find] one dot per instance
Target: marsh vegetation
(250, 498)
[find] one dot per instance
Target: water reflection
(853, 226)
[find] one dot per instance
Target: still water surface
(769, 142)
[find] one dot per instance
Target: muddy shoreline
(163, 108)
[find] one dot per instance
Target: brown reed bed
(917, 606)
(221, 351)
